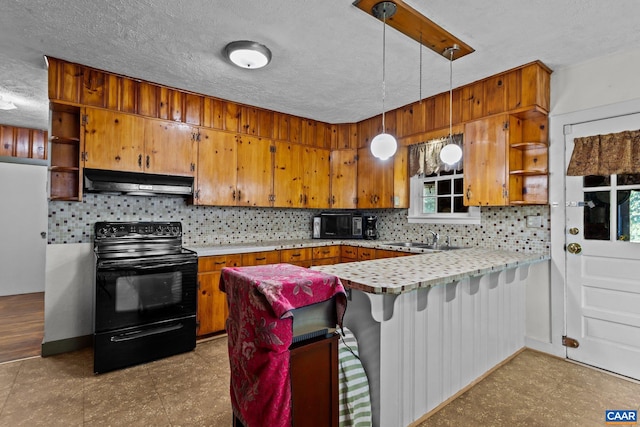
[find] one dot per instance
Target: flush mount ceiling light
(383, 145)
(451, 153)
(248, 54)
(6, 104)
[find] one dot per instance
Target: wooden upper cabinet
(301, 176)
(23, 142)
(288, 170)
(255, 171)
(217, 169)
(344, 178)
(485, 162)
(375, 181)
(113, 140)
(316, 177)
(170, 148)
(472, 101)
(534, 85)
(495, 93)
(401, 178)
(126, 142)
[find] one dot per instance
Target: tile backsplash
(72, 222)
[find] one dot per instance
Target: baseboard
(52, 348)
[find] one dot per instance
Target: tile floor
(192, 389)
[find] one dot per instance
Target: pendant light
(451, 153)
(383, 145)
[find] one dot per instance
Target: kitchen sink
(421, 245)
(411, 245)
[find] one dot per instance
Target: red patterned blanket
(259, 329)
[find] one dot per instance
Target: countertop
(403, 274)
(240, 248)
(399, 274)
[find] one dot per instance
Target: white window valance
(424, 158)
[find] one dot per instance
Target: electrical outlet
(534, 221)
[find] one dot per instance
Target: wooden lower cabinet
(314, 383)
(298, 256)
(260, 258)
(348, 253)
(212, 302)
(365, 254)
(386, 253)
(326, 255)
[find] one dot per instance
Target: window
(436, 189)
(439, 199)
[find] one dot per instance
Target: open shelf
(65, 146)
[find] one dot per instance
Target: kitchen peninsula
(430, 325)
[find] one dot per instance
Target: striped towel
(355, 402)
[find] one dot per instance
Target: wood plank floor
(21, 326)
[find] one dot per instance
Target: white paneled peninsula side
(431, 324)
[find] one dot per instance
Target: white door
(602, 238)
(23, 215)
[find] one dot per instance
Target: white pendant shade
(384, 146)
(451, 154)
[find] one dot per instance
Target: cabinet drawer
(261, 258)
(348, 253)
(365, 254)
(295, 255)
(218, 262)
(326, 252)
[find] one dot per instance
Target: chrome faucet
(436, 238)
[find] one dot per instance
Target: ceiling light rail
(416, 26)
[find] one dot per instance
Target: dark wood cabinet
(314, 383)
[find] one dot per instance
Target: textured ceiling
(327, 54)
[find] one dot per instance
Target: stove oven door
(135, 292)
(145, 310)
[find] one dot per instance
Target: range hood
(136, 184)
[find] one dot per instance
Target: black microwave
(338, 225)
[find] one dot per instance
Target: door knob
(574, 248)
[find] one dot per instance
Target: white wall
(607, 80)
(596, 89)
(68, 298)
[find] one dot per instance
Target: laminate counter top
(403, 274)
(395, 275)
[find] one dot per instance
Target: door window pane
(629, 179)
(597, 181)
(628, 215)
(597, 215)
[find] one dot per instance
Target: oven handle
(111, 265)
(141, 334)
